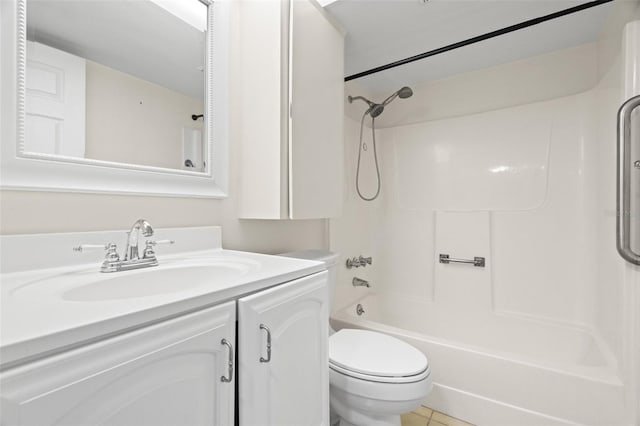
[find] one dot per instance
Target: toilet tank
(330, 260)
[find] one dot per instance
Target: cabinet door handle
(230, 365)
(264, 327)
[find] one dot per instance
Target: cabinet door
(316, 138)
(164, 374)
(288, 384)
(292, 101)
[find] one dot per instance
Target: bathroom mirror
(116, 96)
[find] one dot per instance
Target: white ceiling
(383, 31)
(144, 40)
(136, 37)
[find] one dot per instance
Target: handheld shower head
(403, 93)
(377, 109)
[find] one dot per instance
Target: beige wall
(39, 212)
(129, 120)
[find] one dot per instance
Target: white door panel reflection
(55, 102)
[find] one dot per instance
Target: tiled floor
(424, 416)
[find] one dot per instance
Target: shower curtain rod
(479, 38)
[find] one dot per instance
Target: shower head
(377, 109)
(403, 93)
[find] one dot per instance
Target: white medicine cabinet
(292, 111)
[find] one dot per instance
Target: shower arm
(362, 98)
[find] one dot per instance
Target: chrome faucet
(131, 258)
(357, 282)
(133, 238)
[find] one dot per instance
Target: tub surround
(41, 315)
(546, 332)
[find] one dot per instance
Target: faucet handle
(148, 249)
(154, 243)
(111, 261)
(91, 247)
(356, 262)
(111, 249)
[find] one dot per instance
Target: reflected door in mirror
(55, 102)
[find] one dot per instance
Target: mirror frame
(45, 172)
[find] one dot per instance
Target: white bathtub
(510, 370)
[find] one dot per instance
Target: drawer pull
(264, 327)
(230, 365)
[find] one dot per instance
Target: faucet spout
(131, 251)
(357, 282)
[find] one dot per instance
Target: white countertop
(44, 311)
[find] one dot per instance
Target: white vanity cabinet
(283, 374)
(185, 370)
(291, 85)
(164, 374)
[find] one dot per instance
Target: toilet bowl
(373, 378)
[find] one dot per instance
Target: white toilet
(373, 377)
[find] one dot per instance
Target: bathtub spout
(357, 282)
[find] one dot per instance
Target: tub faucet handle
(356, 262)
(364, 261)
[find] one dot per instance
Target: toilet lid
(375, 354)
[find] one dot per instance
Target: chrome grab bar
(476, 261)
(268, 358)
(230, 365)
(623, 207)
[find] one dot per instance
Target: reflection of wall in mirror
(133, 121)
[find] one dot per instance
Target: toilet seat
(381, 379)
(376, 357)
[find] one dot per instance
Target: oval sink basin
(172, 276)
(153, 282)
